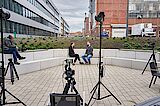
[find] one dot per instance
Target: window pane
(6, 4)
(2, 3)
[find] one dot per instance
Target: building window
(6, 4)
(146, 8)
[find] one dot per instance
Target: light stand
(3, 16)
(98, 85)
(153, 57)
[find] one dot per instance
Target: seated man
(10, 48)
(88, 54)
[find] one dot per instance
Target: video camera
(68, 71)
(100, 17)
(4, 14)
(151, 45)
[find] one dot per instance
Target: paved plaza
(128, 85)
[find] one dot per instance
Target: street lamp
(127, 18)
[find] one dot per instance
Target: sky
(73, 12)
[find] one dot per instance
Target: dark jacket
(71, 51)
(8, 44)
(89, 50)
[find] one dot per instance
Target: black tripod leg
(65, 91)
(154, 59)
(92, 94)
(94, 88)
(15, 71)
(15, 98)
(147, 64)
(155, 80)
(66, 88)
(11, 73)
(75, 90)
(1, 95)
(6, 69)
(110, 92)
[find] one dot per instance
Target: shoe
(86, 63)
(73, 64)
(17, 63)
(21, 58)
(81, 63)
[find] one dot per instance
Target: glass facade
(11, 27)
(45, 11)
(144, 8)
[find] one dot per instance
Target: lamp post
(127, 18)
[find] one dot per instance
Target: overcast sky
(73, 12)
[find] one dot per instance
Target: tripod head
(68, 71)
(152, 45)
(10, 59)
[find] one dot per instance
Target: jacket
(8, 44)
(71, 51)
(89, 50)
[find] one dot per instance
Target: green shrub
(40, 44)
(127, 45)
(125, 41)
(138, 46)
(31, 44)
(158, 49)
(146, 45)
(42, 47)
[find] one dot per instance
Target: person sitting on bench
(88, 54)
(10, 48)
(72, 54)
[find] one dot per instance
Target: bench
(126, 62)
(36, 65)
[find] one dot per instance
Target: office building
(139, 11)
(32, 17)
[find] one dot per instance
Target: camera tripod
(153, 57)
(99, 83)
(71, 84)
(12, 70)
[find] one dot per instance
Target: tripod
(12, 70)
(98, 85)
(5, 15)
(153, 57)
(70, 84)
(70, 80)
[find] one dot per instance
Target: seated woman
(72, 54)
(88, 54)
(10, 48)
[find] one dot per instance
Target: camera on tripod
(4, 14)
(152, 45)
(100, 17)
(68, 71)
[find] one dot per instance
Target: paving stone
(128, 85)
